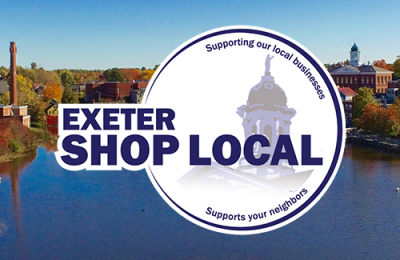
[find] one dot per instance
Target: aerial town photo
(47, 212)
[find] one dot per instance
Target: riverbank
(18, 141)
(383, 143)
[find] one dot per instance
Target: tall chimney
(13, 74)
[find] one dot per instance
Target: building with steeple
(355, 55)
(358, 75)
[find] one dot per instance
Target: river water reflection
(47, 212)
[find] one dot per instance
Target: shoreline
(376, 141)
(42, 138)
(15, 156)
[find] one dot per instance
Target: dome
(268, 95)
(355, 47)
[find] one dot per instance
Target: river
(47, 212)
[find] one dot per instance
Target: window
(351, 80)
(347, 80)
(341, 80)
(350, 115)
(372, 80)
(362, 80)
(350, 106)
(119, 91)
(367, 80)
(337, 80)
(346, 107)
(355, 80)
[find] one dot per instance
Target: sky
(126, 34)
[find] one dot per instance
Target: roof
(347, 91)
(372, 68)
(3, 87)
(355, 47)
(347, 69)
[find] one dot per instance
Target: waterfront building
(355, 76)
(347, 95)
(13, 110)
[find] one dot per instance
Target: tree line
(371, 117)
(57, 85)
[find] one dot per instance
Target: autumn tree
(130, 74)
(381, 64)
(380, 120)
(38, 113)
(5, 98)
(146, 74)
(369, 119)
(396, 106)
(396, 68)
(391, 123)
(364, 96)
(26, 94)
(69, 96)
(53, 92)
(42, 76)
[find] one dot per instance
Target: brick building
(20, 112)
(394, 84)
(347, 95)
(356, 76)
(13, 110)
(112, 90)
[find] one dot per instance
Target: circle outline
(339, 141)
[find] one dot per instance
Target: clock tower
(355, 56)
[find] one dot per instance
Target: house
(394, 84)
(78, 87)
(137, 92)
(391, 94)
(347, 95)
(3, 86)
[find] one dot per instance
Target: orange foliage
(13, 131)
(382, 64)
(53, 92)
(381, 120)
(130, 74)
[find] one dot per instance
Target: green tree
(396, 68)
(38, 113)
(30, 74)
(4, 71)
(114, 74)
(69, 96)
(396, 106)
(67, 78)
(364, 97)
(5, 98)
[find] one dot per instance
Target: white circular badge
(257, 134)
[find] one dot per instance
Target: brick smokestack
(13, 74)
